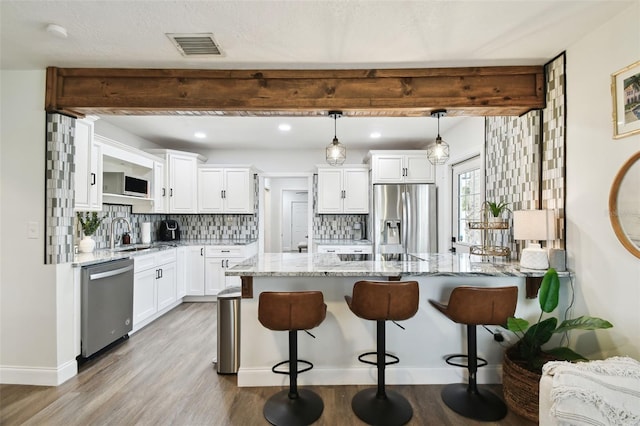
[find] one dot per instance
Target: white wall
(110, 131)
(607, 275)
(30, 301)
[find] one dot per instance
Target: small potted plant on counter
(89, 222)
(522, 362)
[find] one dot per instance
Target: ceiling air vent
(201, 44)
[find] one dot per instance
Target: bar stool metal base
(394, 410)
(280, 410)
(480, 405)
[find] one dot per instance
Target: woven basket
(521, 388)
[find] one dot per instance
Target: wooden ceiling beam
(387, 92)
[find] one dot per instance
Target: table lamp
(534, 225)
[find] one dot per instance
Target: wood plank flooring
(163, 375)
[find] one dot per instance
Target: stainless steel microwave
(122, 184)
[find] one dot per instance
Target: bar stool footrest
(481, 361)
(281, 410)
(392, 409)
(480, 404)
(394, 358)
(308, 367)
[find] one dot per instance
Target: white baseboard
(368, 376)
(200, 298)
(38, 376)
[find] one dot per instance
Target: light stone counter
(420, 264)
(131, 250)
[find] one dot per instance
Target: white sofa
(590, 393)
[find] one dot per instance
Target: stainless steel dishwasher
(107, 304)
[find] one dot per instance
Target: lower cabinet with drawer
(154, 286)
(208, 264)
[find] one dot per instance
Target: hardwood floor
(163, 375)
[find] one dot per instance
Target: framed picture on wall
(625, 91)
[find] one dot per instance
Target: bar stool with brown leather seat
(292, 311)
(474, 306)
(383, 301)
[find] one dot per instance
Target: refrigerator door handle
(405, 221)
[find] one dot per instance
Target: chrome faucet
(113, 222)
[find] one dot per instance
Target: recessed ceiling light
(375, 135)
(284, 127)
(200, 135)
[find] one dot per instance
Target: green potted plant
(522, 364)
(496, 209)
(89, 222)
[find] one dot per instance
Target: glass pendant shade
(336, 153)
(438, 153)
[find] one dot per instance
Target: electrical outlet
(32, 230)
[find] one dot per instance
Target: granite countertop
(420, 264)
(344, 242)
(132, 250)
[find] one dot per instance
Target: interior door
(299, 211)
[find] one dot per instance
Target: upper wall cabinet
(88, 168)
(401, 167)
(226, 190)
(343, 190)
(180, 181)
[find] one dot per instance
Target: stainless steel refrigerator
(404, 220)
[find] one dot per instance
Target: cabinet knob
(164, 192)
(171, 192)
(202, 251)
(93, 179)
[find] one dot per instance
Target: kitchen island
(428, 336)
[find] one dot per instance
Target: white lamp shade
(534, 225)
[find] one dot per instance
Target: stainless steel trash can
(228, 361)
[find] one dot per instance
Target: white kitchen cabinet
(195, 271)
(181, 272)
(220, 258)
(154, 286)
(343, 190)
(144, 296)
(88, 168)
(180, 181)
(166, 283)
(159, 188)
(401, 167)
(144, 289)
(225, 190)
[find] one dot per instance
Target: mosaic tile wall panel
(332, 226)
(553, 156)
(192, 226)
(515, 170)
(59, 197)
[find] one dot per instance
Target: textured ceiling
(296, 35)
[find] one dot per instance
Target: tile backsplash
(194, 226)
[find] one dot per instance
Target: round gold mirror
(624, 205)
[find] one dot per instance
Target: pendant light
(336, 152)
(438, 153)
